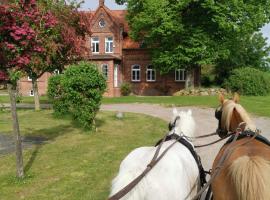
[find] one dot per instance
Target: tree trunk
(36, 95)
(16, 131)
(189, 83)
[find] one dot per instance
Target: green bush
(78, 92)
(125, 89)
(248, 81)
(56, 95)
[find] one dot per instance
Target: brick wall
(25, 85)
(164, 84)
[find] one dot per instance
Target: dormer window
(95, 44)
(109, 44)
(102, 23)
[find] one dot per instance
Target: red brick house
(120, 59)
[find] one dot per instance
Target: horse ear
(189, 112)
(221, 98)
(175, 112)
(236, 97)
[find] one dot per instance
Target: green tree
(190, 33)
(250, 51)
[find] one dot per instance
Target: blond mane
(229, 107)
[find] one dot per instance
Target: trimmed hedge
(248, 81)
(78, 92)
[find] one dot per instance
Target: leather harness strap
(193, 153)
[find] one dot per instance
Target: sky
(93, 4)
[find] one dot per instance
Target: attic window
(102, 23)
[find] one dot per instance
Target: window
(136, 73)
(109, 44)
(102, 23)
(95, 44)
(150, 74)
(180, 75)
(56, 72)
(105, 70)
(31, 93)
(29, 79)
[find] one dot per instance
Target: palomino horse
(245, 173)
(175, 176)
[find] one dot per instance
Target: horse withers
(174, 177)
(245, 173)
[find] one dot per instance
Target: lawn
(257, 105)
(74, 164)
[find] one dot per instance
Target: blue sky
(93, 4)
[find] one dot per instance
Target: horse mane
(228, 110)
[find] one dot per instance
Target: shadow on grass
(48, 134)
(32, 158)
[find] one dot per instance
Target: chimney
(101, 2)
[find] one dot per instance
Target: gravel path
(204, 117)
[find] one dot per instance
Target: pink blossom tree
(23, 31)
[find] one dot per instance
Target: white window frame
(105, 73)
(31, 93)
(152, 72)
(94, 44)
(115, 75)
(137, 73)
(180, 75)
(56, 72)
(109, 44)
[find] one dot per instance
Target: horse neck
(239, 116)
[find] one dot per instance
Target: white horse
(175, 176)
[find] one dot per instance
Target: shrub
(56, 95)
(125, 89)
(78, 92)
(248, 81)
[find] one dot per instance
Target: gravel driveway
(204, 117)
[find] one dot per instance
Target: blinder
(221, 132)
(172, 125)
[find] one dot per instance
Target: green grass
(28, 99)
(74, 164)
(257, 105)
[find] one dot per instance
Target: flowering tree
(73, 26)
(23, 33)
(63, 43)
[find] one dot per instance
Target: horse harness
(238, 135)
(156, 158)
(183, 141)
